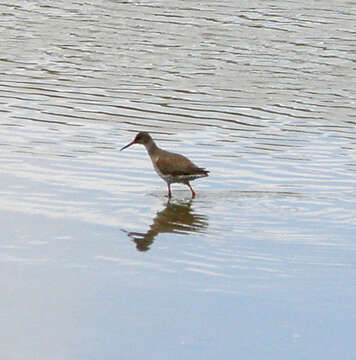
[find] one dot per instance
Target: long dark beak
(126, 146)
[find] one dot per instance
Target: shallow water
(96, 262)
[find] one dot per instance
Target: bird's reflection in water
(178, 218)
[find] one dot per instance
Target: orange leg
(191, 189)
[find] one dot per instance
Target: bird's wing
(176, 164)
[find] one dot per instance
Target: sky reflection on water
(95, 262)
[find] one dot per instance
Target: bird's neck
(151, 147)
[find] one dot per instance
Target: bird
(171, 167)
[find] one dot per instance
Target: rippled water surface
(95, 262)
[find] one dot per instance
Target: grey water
(96, 262)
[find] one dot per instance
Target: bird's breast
(155, 159)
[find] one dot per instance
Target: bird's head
(141, 138)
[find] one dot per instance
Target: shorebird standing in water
(171, 167)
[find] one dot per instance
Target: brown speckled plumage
(171, 167)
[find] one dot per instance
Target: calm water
(95, 262)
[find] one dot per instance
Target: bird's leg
(169, 191)
(191, 189)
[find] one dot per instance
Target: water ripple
(261, 95)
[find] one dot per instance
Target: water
(96, 262)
